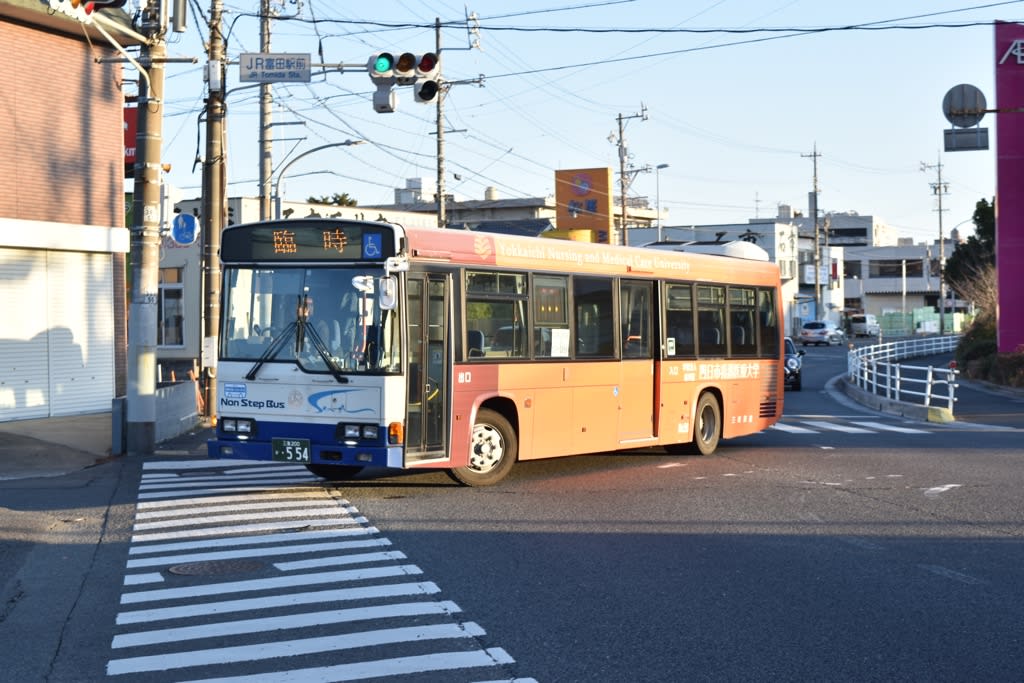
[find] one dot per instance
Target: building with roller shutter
(63, 244)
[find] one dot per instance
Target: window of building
(894, 268)
(171, 308)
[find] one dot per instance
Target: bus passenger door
(429, 368)
(636, 387)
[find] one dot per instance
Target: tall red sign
(1009, 57)
(131, 127)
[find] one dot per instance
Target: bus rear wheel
(335, 472)
(707, 428)
(493, 450)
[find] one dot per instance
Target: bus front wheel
(493, 449)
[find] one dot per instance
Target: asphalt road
(841, 545)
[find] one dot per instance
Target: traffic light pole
(442, 205)
(140, 406)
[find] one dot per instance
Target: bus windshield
(327, 320)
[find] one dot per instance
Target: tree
(970, 267)
(334, 200)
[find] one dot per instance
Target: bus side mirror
(388, 298)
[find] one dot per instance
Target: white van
(864, 325)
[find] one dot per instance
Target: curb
(890, 406)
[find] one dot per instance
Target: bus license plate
(290, 450)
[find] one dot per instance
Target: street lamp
(657, 183)
(277, 183)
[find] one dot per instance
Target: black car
(794, 363)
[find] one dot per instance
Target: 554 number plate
(290, 450)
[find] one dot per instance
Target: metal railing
(874, 369)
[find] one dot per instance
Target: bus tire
(493, 450)
(707, 428)
(707, 425)
(334, 472)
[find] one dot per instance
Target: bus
(353, 344)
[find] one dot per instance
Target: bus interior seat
(475, 343)
(739, 336)
(710, 335)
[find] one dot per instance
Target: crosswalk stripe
(836, 427)
(892, 428)
(182, 558)
(278, 582)
(292, 648)
(272, 601)
(281, 623)
(396, 666)
(792, 429)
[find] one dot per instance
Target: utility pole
(266, 100)
(214, 186)
(938, 189)
(623, 183)
(442, 205)
(817, 235)
(140, 406)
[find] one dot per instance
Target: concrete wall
(176, 413)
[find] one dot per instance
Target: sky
(735, 96)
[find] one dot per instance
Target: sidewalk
(53, 446)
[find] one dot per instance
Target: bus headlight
(237, 425)
(370, 432)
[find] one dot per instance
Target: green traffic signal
(383, 63)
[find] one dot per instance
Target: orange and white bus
(350, 344)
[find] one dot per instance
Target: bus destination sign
(300, 241)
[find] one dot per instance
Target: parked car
(865, 325)
(793, 366)
(821, 332)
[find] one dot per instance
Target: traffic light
(381, 68)
(73, 8)
(81, 9)
(405, 68)
(93, 5)
(419, 71)
(426, 87)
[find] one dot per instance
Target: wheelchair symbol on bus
(372, 246)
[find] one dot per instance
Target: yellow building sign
(584, 200)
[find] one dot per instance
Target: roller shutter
(57, 334)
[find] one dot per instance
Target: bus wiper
(305, 328)
(271, 351)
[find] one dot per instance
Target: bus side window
(595, 317)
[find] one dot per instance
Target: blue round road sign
(184, 229)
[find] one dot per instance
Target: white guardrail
(875, 369)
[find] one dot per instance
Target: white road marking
(303, 536)
(292, 648)
(271, 601)
(285, 582)
(792, 429)
(284, 622)
(836, 427)
(246, 528)
(936, 490)
(161, 560)
(398, 666)
(892, 428)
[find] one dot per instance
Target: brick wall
(62, 140)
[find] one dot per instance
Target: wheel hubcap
(488, 448)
